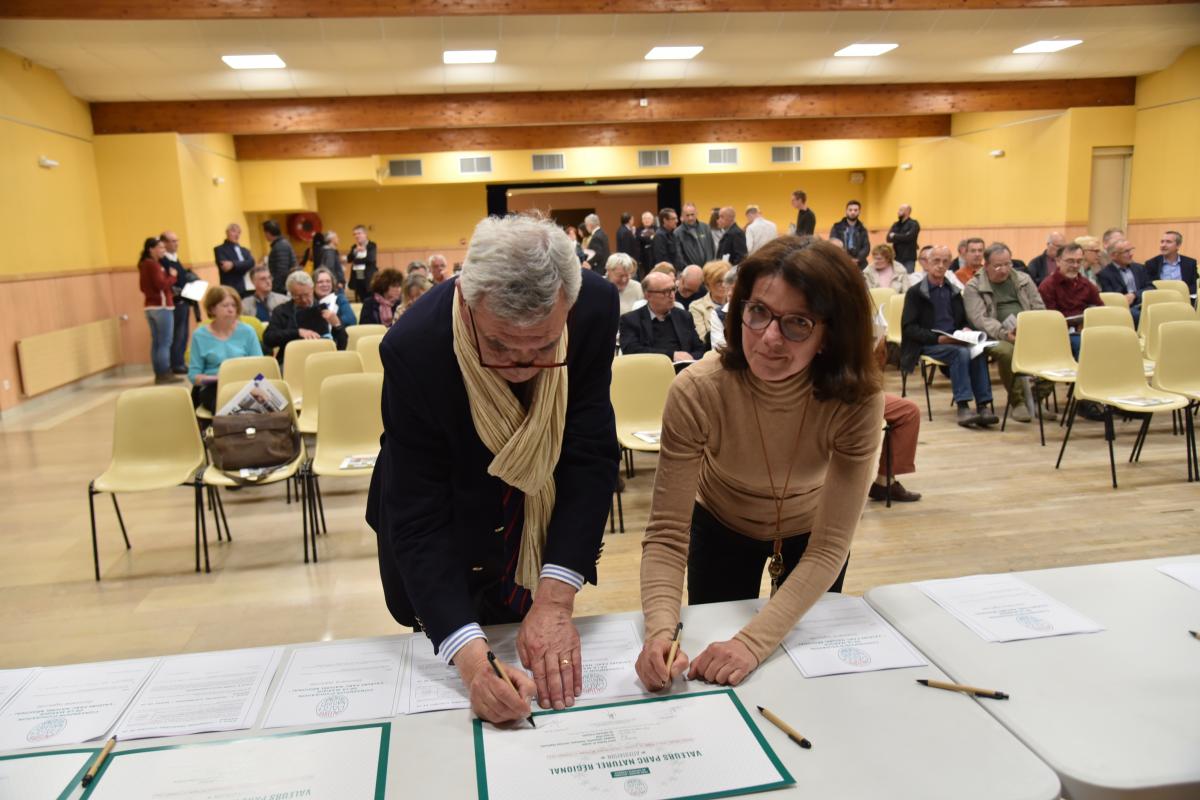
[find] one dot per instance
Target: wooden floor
(993, 502)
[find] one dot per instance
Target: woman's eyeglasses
(794, 327)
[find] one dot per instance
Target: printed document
(339, 683)
(44, 775)
(1004, 608)
(841, 634)
(1187, 573)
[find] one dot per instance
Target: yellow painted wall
(402, 217)
(55, 212)
(269, 186)
(208, 207)
(1091, 128)
(141, 189)
(1166, 159)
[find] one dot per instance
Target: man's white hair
(520, 266)
(437, 257)
(620, 261)
(592, 220)
(298, 278)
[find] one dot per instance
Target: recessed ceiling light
(468, 56)
(855, 50)
(673, 53)
(1048, 46)
(263, 61)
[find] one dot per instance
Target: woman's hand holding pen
(652, 664)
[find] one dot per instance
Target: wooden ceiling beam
(369, 143)
(402, 112)
(313, 9)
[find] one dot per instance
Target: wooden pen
(1195, 634)
(791, 732)
(958, 687)
(498, 668)
(674, 649)
(90, 775)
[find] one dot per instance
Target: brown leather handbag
(253, 441)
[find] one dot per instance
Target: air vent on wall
(786, 155)
(654, 158)
(722, 155)
(545, 162)
(404, 168)
(475, 164)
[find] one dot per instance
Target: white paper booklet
(339, 683)
(649, 437)
(194, 291)
(44, 775)
(201, 692)
(11, 680)
(841, 634)
(73, 704)
(976, 339)
(1187, 573)
(359, 461)
(1143, 402)
(1004, 608)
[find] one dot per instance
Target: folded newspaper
(977, 339)
(359, 461)
(256, 397)
(649, 437)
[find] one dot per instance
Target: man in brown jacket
(992, 300)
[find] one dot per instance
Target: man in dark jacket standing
(665, 247)
(806, 220)
(598, 244)
(184, 308)
(903, 237)
(627, 241)
(234, 260)
(852, 233)
(733, 239)
(694, 238)
(281, 259)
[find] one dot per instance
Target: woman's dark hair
(386, 279)
(318, 242)
(845, 369)
(150, 243)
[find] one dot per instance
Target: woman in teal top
(225, 337)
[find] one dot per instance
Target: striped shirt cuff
(568, 576)
(455, 641)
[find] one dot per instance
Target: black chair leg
(203, 530)
(208, 493)
(198, 515)
(221, 508)
(92, 514)
(1041, 423)
(927, 381)
(303, 519)
(1110, 433)
(904, 384)
(316, 482)
(1070, 415)
(620, 513)
(1004, 421)
(1140, 440)
(887, 449)
(117, 508)
(309, 480)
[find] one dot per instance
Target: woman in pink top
(155, 283)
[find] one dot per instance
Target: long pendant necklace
(775, 567)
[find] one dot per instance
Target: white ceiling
(180, 60)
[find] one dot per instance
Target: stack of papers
(1143, 402)
(976, 339)
(1065, 372)
(649, 437)
(364, 461)
(49, 775)
(339, 683)
(1187, 573)
(842, 634)
(11, 681)
(1004, 608)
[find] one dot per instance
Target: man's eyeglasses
(659, 291)
(530, 365)
(794, 327)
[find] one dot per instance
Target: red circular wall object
(303, 225)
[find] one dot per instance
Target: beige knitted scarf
(525, 444)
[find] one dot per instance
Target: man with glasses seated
(660, 326)
(492, 487)
(1068, 292)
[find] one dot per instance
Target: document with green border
(42, 772)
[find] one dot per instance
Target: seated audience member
(960, 261)
(972, 259)
(1068, 292)
(414, 287)
(759, 229)
(1046, 262)
(380, 306)
(331, 259)
(326, 295)
(903, 417)
(620, 271)
(793, 403)
(885, 271)
(1091, 258)
(301, 318)
(155, 283)
(1111, 235)
(716, 320)
(263, 301)
(1125, 276)
(702, 308)
(690, 285)
(666, 268)
(417, 268)
(223, 338)
(1170, 264)
(732, 246)
(438, 269)
(935, 304)
(993, 299)
(659, 326)
(923, 258)
(234, 260)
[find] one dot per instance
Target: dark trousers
(725, 565)
(180, 342)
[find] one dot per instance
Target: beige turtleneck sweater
(711, 453)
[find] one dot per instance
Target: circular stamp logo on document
(636, 787)
(1034, 623)
(854, 657)
(46, 729)
(594, 682)
(332, 706)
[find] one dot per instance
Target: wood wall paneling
(367, 143)
(399, 112)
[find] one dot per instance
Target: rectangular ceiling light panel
(863, 49)
(468, 56)
(673, 53)
(261, 61)
(1048, 45)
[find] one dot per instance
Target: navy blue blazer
(432, 503)
(1187, 270)
(638, 337)
(236, 277)
(1111, 280)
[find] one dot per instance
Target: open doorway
(569, 205)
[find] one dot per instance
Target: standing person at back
(852, 234)
(159, 303)
(645, 238)
(281, 259)
(665, 246)
(184, 308)
(693, 237)
(733, 239)
(903, 237)
(234, 260)
(806, 220)
(759, 229)
(627, 242)
(361, 259)
(598, 243)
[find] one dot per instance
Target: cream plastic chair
(894, 313)
(1110, 373)
(1175, 286)
(368, 348)
(156, 445)
(1114, 299)
(356, 332)
(640, 383)
(320, 366)
(1153, 318)
(1154, 296)
(294, 359)
(216, 479)
(881, 295)
(357, 309)
(1108, 316)
(242, 369)
(1043, 351)
(1179, 372)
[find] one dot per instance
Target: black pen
(498, 668)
